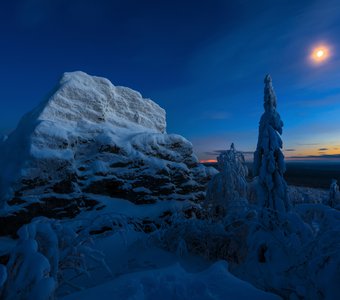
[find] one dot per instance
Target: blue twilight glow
(203, 61)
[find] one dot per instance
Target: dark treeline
(309, 174)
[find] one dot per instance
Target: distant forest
(308, 174)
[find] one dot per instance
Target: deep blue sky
(203, 61)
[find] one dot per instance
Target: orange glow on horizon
(308, 152)
(313, 153)
(202, 161)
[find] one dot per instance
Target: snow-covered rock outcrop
(90, 137)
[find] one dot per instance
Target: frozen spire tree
(269, 163)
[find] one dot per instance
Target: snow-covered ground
(139, 268)
(101, 203)
(143, 271)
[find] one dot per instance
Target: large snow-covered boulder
(91, 137)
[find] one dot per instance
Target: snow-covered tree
(45, 253)
(29, 273)
(269, 163)
(333, 193)
(227, 190)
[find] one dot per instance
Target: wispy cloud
(218, 152)
(321, 101)
(248, 152)
(216, 115)
(215, 152)
(290, 150)
(322, 156)
(323, 149)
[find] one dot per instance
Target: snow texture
(293, 254)
(53, 259)
(175, 282)
(269, 163)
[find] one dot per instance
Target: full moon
(320, 54)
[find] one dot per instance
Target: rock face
(91, 137)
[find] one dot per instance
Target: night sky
(203, 61)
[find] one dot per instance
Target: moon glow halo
(320, 54)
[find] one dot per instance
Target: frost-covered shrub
(29, 273)
(194, 236)
(208, 237)
(321, 258)
(293, 254)
(46, 251)
(269, 163)
(275, 244)
(227, 190)
(299, 195)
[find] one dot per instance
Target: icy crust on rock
(95, 99)
(93, 137)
